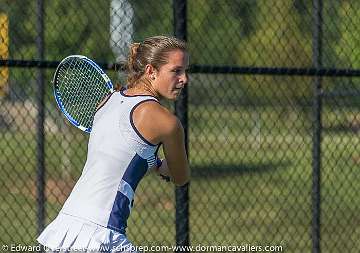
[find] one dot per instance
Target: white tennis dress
(94, 217)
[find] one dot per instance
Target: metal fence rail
(271, 116)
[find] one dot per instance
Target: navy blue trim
(139, 95)
(158, 160)
(133, 125)
(135, 171)
(157, 149)
(119, 214)
(120, 211)
(104, 102)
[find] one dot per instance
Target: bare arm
(175, 154)
(158, 125)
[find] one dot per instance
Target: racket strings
(82, 88)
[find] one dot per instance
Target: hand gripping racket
(79, 86)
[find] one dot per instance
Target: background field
(250, 135)
(251, 176)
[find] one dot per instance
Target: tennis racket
(79, 86)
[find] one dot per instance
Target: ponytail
(133, 71)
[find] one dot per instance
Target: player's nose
(184, 78)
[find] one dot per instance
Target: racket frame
(57, 96)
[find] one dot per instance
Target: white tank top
(118, 157)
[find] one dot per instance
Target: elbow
(181, 181)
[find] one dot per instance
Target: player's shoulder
(159, 116)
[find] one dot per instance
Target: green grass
(251, 182)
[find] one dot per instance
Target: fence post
(40, 138)
(317, 126)
(181, 111)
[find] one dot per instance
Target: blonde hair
(153, 51)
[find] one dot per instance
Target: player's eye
(178, 71)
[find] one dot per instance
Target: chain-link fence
(273, 140)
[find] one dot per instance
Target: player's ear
(150, 71)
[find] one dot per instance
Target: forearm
(163, 170)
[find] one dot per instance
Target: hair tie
(134, 48)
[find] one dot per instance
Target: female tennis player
(128, 128)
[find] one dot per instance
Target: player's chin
(176, 94)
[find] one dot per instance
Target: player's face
(171, 78)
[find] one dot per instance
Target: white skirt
(72, 234)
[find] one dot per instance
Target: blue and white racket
(79, 86)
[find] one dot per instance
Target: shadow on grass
(227, 170)
(342, 128)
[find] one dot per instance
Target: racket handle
(158, 162)
(166, 178)
(158, 165)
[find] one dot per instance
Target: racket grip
(158, 164)
(166, 178)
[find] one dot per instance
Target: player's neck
(142, 89)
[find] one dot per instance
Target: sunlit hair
(153, 51)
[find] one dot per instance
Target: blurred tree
(348, 47)
(152, 18)
(215, 29)
(78, 27)
(229, 32)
